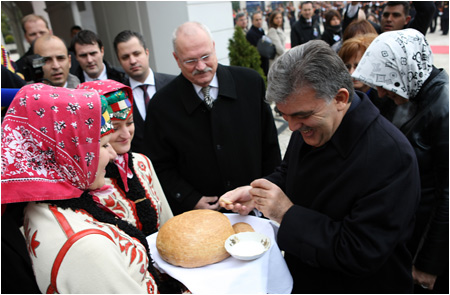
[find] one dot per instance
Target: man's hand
(238, 200)
(425, 280)
(270, 199)
(208, 203)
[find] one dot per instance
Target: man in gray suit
(133, 55)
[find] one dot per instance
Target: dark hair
(272, 17)
(75, 27)
(238, 16)
(125, 36)
(305, 2)
(330, 14)
(255, 13)
(357, 27)
(85, 37)
(404, 3)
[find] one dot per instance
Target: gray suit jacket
(72, 81)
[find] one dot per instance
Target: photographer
(56, 62)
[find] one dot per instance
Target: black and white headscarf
(399, 61)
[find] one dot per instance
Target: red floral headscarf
(50, 143)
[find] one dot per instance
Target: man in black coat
(89, 52)
(348, 187)
(307, 27)
(209, 130)
(254, 34)
(133, 55)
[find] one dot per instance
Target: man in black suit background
(209, 130)
(89, 52)
(254, 34)
(133, 55)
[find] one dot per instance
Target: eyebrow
(299, 114)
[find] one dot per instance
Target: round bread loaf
(194, 238)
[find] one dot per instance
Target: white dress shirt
(102, 75)
(138, 93)
(213, 91)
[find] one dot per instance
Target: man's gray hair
(187, 28)
(313, 64)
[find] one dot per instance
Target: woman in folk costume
(136, 194)
(54, 154)
(400, 65)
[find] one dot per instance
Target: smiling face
(198, 47)
(90, 58)
(106, 155)
(133, 58)
(122, 135)
(316, 119)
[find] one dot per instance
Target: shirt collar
(214, 83)
(102, 75)
(150, 80)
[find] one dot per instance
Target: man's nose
(201, 65)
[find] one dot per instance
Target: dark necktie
(146, 96)
(208, 98)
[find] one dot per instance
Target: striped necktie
(208, 98)
(146, 96)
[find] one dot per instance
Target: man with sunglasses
(133, 56)
(209, 130)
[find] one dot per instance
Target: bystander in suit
(57, 61)
(255, 33)
(133, 55)
(210, 129)
(89, 52)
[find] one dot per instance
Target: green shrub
(244, 54)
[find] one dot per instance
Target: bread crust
(242, 227)
(195, 238)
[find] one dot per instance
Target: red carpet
(436, 49)
(439, 49)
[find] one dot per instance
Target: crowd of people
(96, 157)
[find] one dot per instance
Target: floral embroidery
(73, 108)
(40, 112)
(59, 126)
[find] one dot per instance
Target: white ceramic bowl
(247, 245)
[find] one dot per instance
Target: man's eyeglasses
(194, 61)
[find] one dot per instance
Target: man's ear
(408, 18)
(341, 98)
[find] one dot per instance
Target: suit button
(219, 147)
(177, 195)
(228, 183)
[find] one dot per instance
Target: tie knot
(144, 87)
(205, 90)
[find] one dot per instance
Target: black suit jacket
(253, 35)
(138, 144)
(200, 152)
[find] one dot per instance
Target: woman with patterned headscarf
(136, 194)
(54, 155)
(399, 64)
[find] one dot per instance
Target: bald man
(209, 130)
(57, 61)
